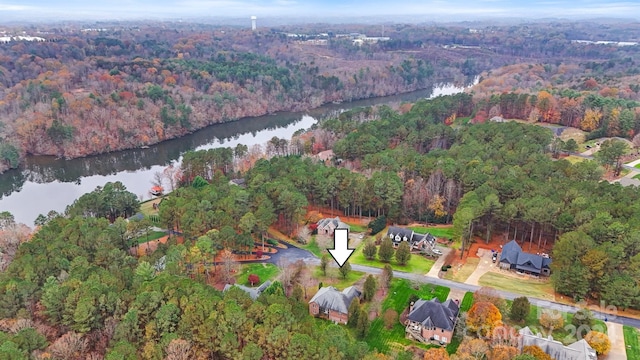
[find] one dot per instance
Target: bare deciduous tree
(70, 346)
(178, 349)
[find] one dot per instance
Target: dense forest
(130, 85)
(72, 290)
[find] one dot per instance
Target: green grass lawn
(441, 232)
(153, 235)
(417, 264)
(264, 271)
(527, 287)
(334, 278)
(463, 273)
(353, 227)
(466, 302)
(631, 336)
(384, 339)
(313, 247)
(637, 176)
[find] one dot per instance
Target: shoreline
(151, 145)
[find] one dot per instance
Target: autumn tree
(591, 119)
(599, 342)
(472, 348)
(483, 318)
(390, 317)
(502, 352)
(436, 354)
(253, 279)
(491, 295)
(551, 319)
(520, 309)
(385, 253)
(536, 352)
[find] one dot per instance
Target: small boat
(144, 147)
(157, 191)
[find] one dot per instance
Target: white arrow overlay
(341, 251)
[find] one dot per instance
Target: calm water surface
(46, 183)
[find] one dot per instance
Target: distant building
(332, 304)
(416, 241)
(579, 350)
(253, 23)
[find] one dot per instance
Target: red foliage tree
(253, 279)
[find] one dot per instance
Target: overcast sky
(432, 10)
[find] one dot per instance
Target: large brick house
(432, 321)
(328, 225)
(332, 304)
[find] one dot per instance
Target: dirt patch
(572, 133)
(323, 212)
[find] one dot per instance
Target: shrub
(599, 342)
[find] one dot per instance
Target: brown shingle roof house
(332, 304)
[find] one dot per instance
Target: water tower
(253, 22)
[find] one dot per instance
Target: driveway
(435, 269)
(485, 265)
(618, 350)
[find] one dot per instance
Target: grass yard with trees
(416, 265)
(397, 299)
(264, 271)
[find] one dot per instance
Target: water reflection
(46, 183)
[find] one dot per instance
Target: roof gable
(510, 252)
(433, 313)
(332, 299)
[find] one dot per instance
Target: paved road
(293, 254)
(505, 294)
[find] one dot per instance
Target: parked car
(436, 251)
(494, 257)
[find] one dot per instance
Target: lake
(45, 183)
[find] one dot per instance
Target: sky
(431, 10)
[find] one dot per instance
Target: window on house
(444, 339)
(436, 337)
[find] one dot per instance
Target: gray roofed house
(579, 350)
(431, 320)
(253, 292)
(419, 241)
(326, 226)
(333, 304)
(512, 257)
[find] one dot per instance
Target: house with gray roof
(416, 241)
(579, 350)
(512, 257)
(328, 225)
(253, 292)
(432, 321)
(333, 304)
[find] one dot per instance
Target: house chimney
(411, 307)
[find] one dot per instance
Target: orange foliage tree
(436, 354)
(591, 119)
(473, 348)
(502, 352)
(483, 318)
(599, 342)
(536, 352)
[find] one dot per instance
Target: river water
(45, 183)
